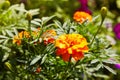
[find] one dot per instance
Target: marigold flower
(23, 34)
(38, 70)
(81, 16)
(71, 46)
(48, 36)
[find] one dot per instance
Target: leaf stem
(99, 28)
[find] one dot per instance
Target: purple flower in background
(117, 66)
(83, 2)
(84, 6)
(116, 30)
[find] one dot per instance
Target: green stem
(66, 69)
(29, 26)
(84, 73)
(97, 31)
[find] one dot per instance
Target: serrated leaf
(1, 36)
(6, 48)
(16, 32)
(94, 19)
(3, 32)
(35, 22)
(101, 76)
(21, 61)
(65, 24)
(98, 67)
(94, 61)
(58, 24)
(9, 33)
(110, 69)
(38, 20)
(6, 41)
(109, 61)
(5, 57)
(44, 58)
(46, 19)
(34, 11)
(1, 41)
(36, 59)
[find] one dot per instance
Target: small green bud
(103, 12)
(28, 16)
(6, 4)
(8, 66)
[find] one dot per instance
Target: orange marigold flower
(81, 16)
(71, 46)
(48, 36)
(23, 34)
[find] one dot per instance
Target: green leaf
(38, 20)
(10, 33)
(94, 19)
(46, 19)
(98, 67)
(44, 58)
(16, 32)
(3, 32)
(94, 61)
(58, 24)
(101, 76)
(1, 36)
(35, 22)
(6, 48)
(2, 40)
(5, 57)
(34, 11)
(109, 61)
(110, 69)
(36, 59)
(6, 41)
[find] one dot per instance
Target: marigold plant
(56, 50)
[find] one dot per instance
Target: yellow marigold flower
(81, 16)
(23, 34)
(71, 46)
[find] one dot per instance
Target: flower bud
(28, 16)
(103, 12)
(8, 66)
(6, 4)
(38, 70)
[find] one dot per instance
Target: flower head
(116, 30)
(81, 17)
(117, 66)
(71, 46)
(48, 36)
(23, 34)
